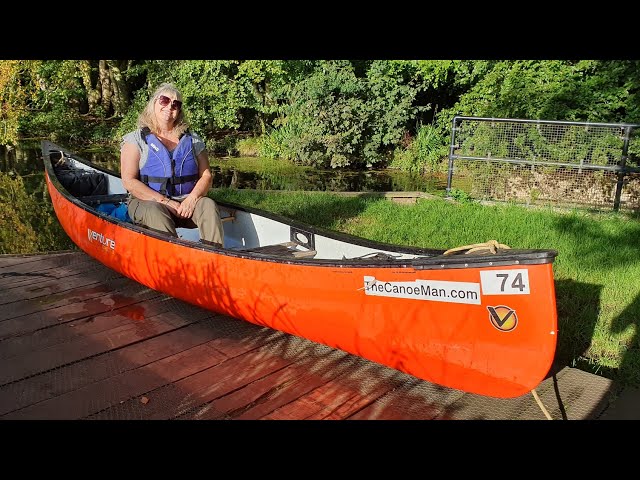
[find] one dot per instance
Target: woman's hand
(172, 205)
(187, 206)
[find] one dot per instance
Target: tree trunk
(94, 94)
(120, 95)
(104, 80)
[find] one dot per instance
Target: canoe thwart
(230, 214)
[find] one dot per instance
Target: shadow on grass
(630, 363)
(578, 306)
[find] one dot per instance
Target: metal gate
(542, 162)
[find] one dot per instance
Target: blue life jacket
(170, 173)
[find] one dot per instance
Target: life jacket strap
(169, 180)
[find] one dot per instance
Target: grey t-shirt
(135, 137)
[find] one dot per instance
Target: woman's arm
(130, 174)
(201, 188)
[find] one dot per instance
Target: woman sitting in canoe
(165, 168)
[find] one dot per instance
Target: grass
(597, 270)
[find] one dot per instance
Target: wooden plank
(39, 361)
(193, 394)
(9, 260)
(99, 368)
(115, 390)
(78, 325)
(31, 316)
(37, 273)
(44, 292)
(358, 387)
(97, 396)
(565, 396)
(260, 397)
(33, 263)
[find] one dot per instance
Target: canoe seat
(285, 249)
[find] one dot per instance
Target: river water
(248, 173)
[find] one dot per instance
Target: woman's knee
(153, 215)
(207, 206)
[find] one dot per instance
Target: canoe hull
(488, 330)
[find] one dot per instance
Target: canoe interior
(244, 230)
(252, 231)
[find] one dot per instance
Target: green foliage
(403, 159)
(326, 117)
(128, 122)
(248, 147)
(574, 144)
(393, 88)
(460, 195)
(427, 152)
(429, 149)
(224, 146)
(325, 113)
(12, 101)
(590, 90)
(280, 142)
(27, 223)
(341, 117)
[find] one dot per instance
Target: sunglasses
(164, 101)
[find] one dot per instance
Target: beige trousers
(154, 215)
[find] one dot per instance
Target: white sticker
(505, 282)
(434, 290)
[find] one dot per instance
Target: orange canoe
(483, 322)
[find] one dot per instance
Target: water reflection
(25, 160)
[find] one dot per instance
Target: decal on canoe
(503, 318)
(99, 237)
(505, 282)
(434, 290)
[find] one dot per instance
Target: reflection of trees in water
(326, 180)
(25, 159)
(22, 161)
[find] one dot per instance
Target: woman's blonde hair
(147, 117)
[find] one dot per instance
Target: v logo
(503, 318)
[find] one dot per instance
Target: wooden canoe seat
(284, 249)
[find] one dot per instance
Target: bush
(248, 147)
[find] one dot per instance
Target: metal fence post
(623, 163)
(451, 150)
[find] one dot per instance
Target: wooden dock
(80, 341)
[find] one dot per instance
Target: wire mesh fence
(553, 163)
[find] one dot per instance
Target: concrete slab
(625, 407)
